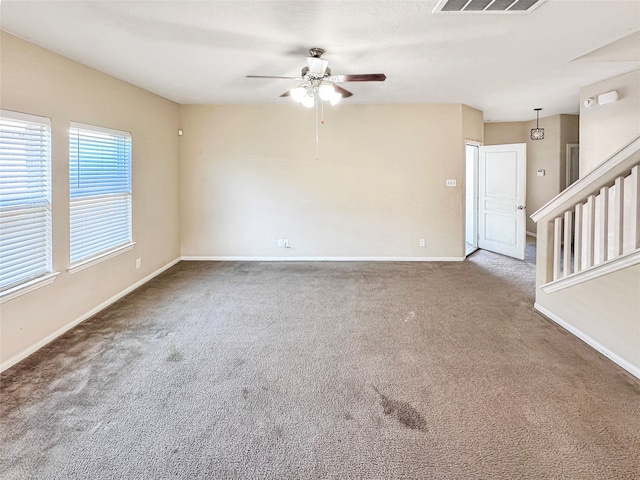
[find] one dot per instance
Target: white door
(502, 226)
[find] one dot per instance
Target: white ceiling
(199, 52)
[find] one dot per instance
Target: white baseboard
(532, 234)
(24, 354)
(320, 259)
(628, 366)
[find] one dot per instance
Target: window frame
(112, 250)
(33, 282)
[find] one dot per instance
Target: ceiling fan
(318, 82)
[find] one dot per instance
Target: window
(25, 201)
(100, 193)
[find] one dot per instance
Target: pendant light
(537, 133)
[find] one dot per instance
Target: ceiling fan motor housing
(317, 65)
(310, 75)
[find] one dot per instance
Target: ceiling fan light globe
(298, 93)
(308, 101)
(326, 91)
(335, 98)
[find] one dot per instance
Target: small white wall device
(608, 97)
(602, 99)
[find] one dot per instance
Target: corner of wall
(606, 128)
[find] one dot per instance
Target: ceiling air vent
(487, 6)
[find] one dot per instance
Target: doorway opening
(495, 193)
(471, 197)
(573, 163)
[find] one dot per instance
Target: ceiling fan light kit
(307, 93)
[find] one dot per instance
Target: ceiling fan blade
(362, 77)
(345, 93)
(270, 76)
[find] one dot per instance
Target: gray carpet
(322, 370)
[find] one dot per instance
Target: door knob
(521, 207)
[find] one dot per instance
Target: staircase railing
(593, 227)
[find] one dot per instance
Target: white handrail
(604, 173)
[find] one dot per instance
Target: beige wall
(604, 129)
(499, 133)
(547, 154)
(606, 309)
(249, 176)
(39, 82)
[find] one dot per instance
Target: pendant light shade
(537, 133)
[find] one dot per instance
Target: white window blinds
(25, 198)
(100, 190)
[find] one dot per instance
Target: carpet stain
(238, 362)
(245, 393)
(175, 355)
(403, 412)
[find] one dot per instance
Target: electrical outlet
(451, 182)
(286, 242)
(422, 242)
(280, 243)
(138, 262)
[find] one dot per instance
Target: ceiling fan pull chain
(317, 133)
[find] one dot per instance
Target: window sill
(27, 287)
(100, 258)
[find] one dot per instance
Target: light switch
(541, 172)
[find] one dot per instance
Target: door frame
(471, 143)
